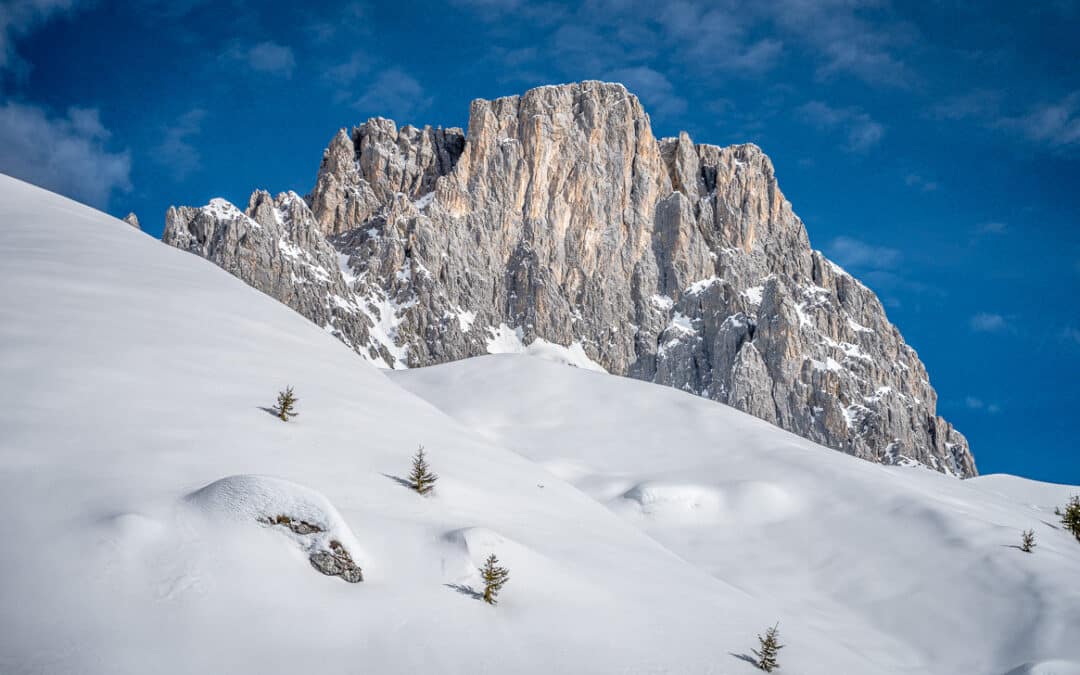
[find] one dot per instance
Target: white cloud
(346, 72)
(653, 88)
(975, 403)
(846, 41)
(63, 154)
(1055, 125)
(270, 57)
(921, 183)
(175, 151)
(862, 131)
(712, 37)
(856, 254)
(393, 93)
(988, 322)
(992, 228)
(19, 17)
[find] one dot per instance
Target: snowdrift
(920, 571)
(644, 530)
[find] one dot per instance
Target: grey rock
(132, 220)
(559, 216)
(337, 563)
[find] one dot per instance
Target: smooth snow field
(646, 531)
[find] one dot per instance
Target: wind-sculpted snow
(645, 530)
(922, 571)
(136, 375)
(559, 217)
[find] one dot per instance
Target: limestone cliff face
(558, 216)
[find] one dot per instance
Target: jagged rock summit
(557, 219)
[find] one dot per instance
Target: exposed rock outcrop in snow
(558, 216)
(306, 516)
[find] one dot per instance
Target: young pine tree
(770, 646)
(421, 479)
(286, 404)
(1070, 517)
(495, 578)
(1028, 542)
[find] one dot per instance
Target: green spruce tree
(422, 479)
(1070, 517)
(495, 578)
(770, 647)
(286, 404)
(1027, 544)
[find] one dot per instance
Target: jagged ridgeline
(558, 220)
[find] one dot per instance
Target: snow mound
(743, 501)
(507, 340)
(469, 547)
(475, 544)
(1047, 668)
(302, 514)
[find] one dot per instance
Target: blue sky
(932, 148)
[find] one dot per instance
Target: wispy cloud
(857, 254)
(976, 403)
(350, 19)
(1055, 125)
(267, 57)
(980, 103)
(988, 322)
(847, 42)
(175, 150)
(393, 92)
(65, 154)
(713, 37)
(919, 182)
(1070, 334)
(19, 17)
(346, 72)
(861, 130)
(992, 228)
(654, 89)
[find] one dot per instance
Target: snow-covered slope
(137, 377)
(916, 570)
(135, 374)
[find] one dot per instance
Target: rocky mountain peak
(559, 217)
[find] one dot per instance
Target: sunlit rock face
(558, 216)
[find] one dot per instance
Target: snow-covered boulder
(302, 514)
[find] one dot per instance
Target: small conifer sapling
(495, 577)
(286, 404)
(422, 479)
(1070, 517)
(1028, 542)
(770, 647)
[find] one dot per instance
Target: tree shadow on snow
(399, 480)
(269, 411)
(466, 590)
(745, 657)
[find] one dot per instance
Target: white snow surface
(245, 499)
(915, 571)
(507, 340)
(646, 530)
